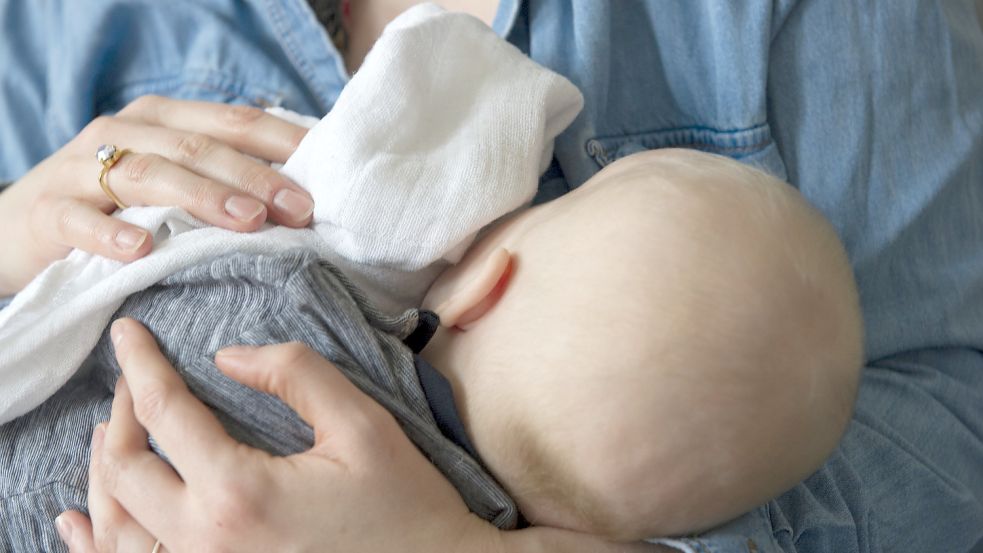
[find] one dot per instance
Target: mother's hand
(363, 487)
(189, 154)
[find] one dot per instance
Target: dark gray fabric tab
(428, 321)
(440, 397)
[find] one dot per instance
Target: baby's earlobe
(472, 288)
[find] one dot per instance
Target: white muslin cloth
(444, 129)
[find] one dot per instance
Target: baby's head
(638, 356)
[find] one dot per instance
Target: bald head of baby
(656, 352)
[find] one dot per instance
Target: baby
(665, 347)
(672, 343)
(656, 352)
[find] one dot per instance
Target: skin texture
(188, 154)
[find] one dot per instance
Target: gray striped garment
(240, 299)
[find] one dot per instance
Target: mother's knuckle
(104, 231)
(204, 195)
(280, 371)
(47, 205)
(256, 180)
(294, 353)
(105, 539)
(109, 468)
(64, 219)
(236, 503)
(192, 148)
(144, 103)
(240, 118)
(97, 129)
(152, 402)
(140, 168)
(289, 359)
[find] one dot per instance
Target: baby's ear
(465, 292)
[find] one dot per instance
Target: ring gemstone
(105, 153)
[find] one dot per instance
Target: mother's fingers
(75, 530)
(247, 129)
(184, 428)
(288, 203)
(112, 529)
(311, 385)
(151, 179)
(129, 479)
(77, 224)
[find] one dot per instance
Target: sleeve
(28, 43)
(877, 112)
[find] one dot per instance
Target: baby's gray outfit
(238, 299)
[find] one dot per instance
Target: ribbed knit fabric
(44, 460)
(239, 299)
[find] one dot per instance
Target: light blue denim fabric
(873, 109)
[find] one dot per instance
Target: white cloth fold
(445, 128)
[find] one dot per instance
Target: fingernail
(295, 204)
(234, 355)
(242, 208)
(64, 528)
(130, 239)
(116, 333)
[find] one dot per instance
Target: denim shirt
(873, 110)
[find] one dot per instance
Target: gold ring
(108, 155)
(156, 548)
